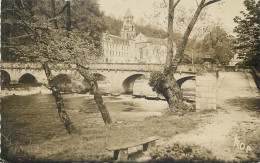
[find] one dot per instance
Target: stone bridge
(121, 77)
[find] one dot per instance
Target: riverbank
(23, 90)
(91, 144)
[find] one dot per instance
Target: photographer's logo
(242, 146)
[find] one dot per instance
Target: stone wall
(206, 96)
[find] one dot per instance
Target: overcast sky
(225, 12)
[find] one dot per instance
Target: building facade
(129, 48)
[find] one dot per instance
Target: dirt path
(220, 132)
(233, 132)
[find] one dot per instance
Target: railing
(102, 66)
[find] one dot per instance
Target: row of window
(106, 60)
(115, 46)
(115, 53)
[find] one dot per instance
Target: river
(33, 118)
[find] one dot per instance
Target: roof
(128, 13)
(115, 39)
(157, 41)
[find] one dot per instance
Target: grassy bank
(90, 145)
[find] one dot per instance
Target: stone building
(129, 48)
(235, 60)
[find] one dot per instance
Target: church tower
(128, 29)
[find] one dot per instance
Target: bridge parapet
(126, 67)
(19, 65)
(101, 66)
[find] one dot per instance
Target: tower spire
(128, 12)
(128, 30)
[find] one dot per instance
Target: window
(141, 53)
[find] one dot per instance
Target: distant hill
(114, 27)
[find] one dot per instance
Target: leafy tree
(41, 31)
(248, 34)
(218, 44)
(169, 87)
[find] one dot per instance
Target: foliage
(114, 26)
(150, 31)
(156, 82)
(217, 44)
(248, 34)
(182, 153)
(31, 33)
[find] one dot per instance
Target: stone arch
(28, 78)
(63, 82)
(128, 83)
(62, 79)
(5, 77)
(102, 80)
(183, 80)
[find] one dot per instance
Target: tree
(248, 34)
(41, 31)
(218, 44)
(165, 83)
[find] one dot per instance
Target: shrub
(156, 82)
(182, 153)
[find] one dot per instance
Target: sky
(224, 12)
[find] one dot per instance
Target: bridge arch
(183, 80)
(62, 79)
(63, 82)
(128, 83)
(5, 77)
(102, 80)
(28, 78)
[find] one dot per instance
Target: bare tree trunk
(173, 93)
(68, 27)
(97, 95)
(172, 89)
(54, 13)
(65, 119)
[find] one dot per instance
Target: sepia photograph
(138, 81)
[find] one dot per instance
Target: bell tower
(128, 29)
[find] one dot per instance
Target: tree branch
(62, 10)
(176, 3)
(210, 2)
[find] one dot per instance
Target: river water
(34, 119)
